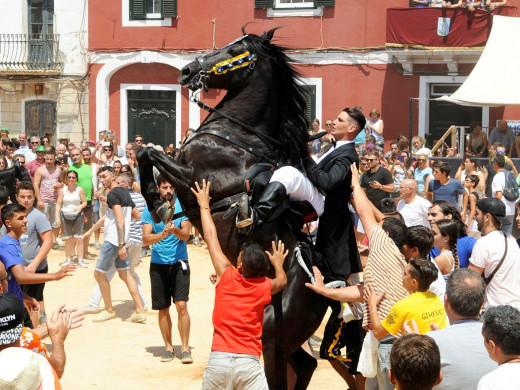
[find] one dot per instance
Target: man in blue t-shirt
(443, 187)
(169, 271)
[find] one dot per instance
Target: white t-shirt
(499, 184)
(416, 212)
(438, 286)
(504, 288)
(505, 377)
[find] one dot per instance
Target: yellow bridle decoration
(233, 63)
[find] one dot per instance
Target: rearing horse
(260, 120)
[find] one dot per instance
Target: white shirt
(504, 288)
(415, 213)
(499, 184)
(338, 144)
(506, 377)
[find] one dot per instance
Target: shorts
(89, 215)
(169, 281)
(338, 335)
(49, 209)
(108, 255)
(72, 229)
(36, 290)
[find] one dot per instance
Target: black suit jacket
(336, 240)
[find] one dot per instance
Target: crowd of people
(440, 288)
(471, 5)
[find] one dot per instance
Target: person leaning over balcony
(451, 3)
(420, 3)
(504, 135)
(495, 4)
(476, 141)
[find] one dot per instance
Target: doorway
(40, 118)
(152, 114)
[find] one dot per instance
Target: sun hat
(11, 318)
(41, 148)
(22, 369)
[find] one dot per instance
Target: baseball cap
(21, 368)
(11, 318)
(493, 206)
(91, 142)
(41, 148)
(5, 129)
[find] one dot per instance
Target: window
(152, 9)
(292, 4)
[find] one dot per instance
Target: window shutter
(264, 3)
(309, 93)
(137, 9)
(324, 3)
(169, 8)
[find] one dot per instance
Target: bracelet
(204, 208)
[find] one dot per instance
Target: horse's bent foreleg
(304, 366)
(275, 356)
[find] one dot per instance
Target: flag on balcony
(443, 27)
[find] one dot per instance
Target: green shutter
(264, 3)
(169, 8)
(324, 3)
(310, 102)
(137, 9)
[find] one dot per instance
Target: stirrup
(245, 214)
(244, 223)
(165, 212)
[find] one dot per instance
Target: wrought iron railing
(21, 53)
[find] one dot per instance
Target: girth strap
(226, 202)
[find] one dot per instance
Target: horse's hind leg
(304, 366)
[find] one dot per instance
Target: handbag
(488, 279)
(70, 218)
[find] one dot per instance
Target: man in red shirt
(240, 298)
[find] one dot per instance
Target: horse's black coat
(9, 176)
(269, 99)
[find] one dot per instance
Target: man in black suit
(331, 176)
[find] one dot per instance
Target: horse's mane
(293, 127)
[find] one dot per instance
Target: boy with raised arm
(241, 294)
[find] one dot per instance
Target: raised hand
(278, 256)
(202, 193)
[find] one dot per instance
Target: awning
(495, 80)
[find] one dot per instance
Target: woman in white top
(445, 235)
(375, 127)
(471, 166)
(71, 201)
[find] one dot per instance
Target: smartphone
(400, 158)
(106, 143)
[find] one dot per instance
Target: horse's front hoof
(164, 213)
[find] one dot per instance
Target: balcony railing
(30, 54)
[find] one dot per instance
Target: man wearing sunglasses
(30, 155)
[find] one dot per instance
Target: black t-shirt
(383, 176)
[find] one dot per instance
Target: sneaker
(97, 246)
(82, 264)
(186, 357)
(59, 241)
(105, 315)
(167, 356)
(138, 317)
(197, 242)
(55, 246)
(66, 262)
(90, 256)
(90, 310)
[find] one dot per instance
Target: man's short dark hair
(449, 208)
(443, 167)
(394, 214)
(4, 195)
(394, 143)
(86, 150)
(502, 325)
(387, 204)
(424, 271)
(255, 262)
(25, 185)
(161, 179)
(415, 362)
(421, 238)
(396, 230)
(9, 210)
(465, 289)
(474, 179)
(357, 116)
(500, 160)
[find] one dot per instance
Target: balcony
(30, 54)
(442, 40)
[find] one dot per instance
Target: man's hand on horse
(279, 254)
(318, 285)
(202, 193)
(355, 175)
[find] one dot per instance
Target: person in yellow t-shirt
(422, 305)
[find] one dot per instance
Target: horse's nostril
(186, 71)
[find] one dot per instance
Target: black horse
(260, 120)
(9, 176)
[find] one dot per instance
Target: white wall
(13, 17)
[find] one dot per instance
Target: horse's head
(226, 67)
(20, 172)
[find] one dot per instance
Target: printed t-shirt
(384, 271)
(11, 255)
(238, 315)
(447, 191)
(31, 242)
(84, 178)
(170, 249)
(423, 307)
(118, 196)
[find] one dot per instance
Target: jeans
(134, 251)
(381, 381)
(232, 371)
(108, 256)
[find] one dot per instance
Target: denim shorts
(108, 255)
(233, 371)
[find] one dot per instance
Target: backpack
(510, 187)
